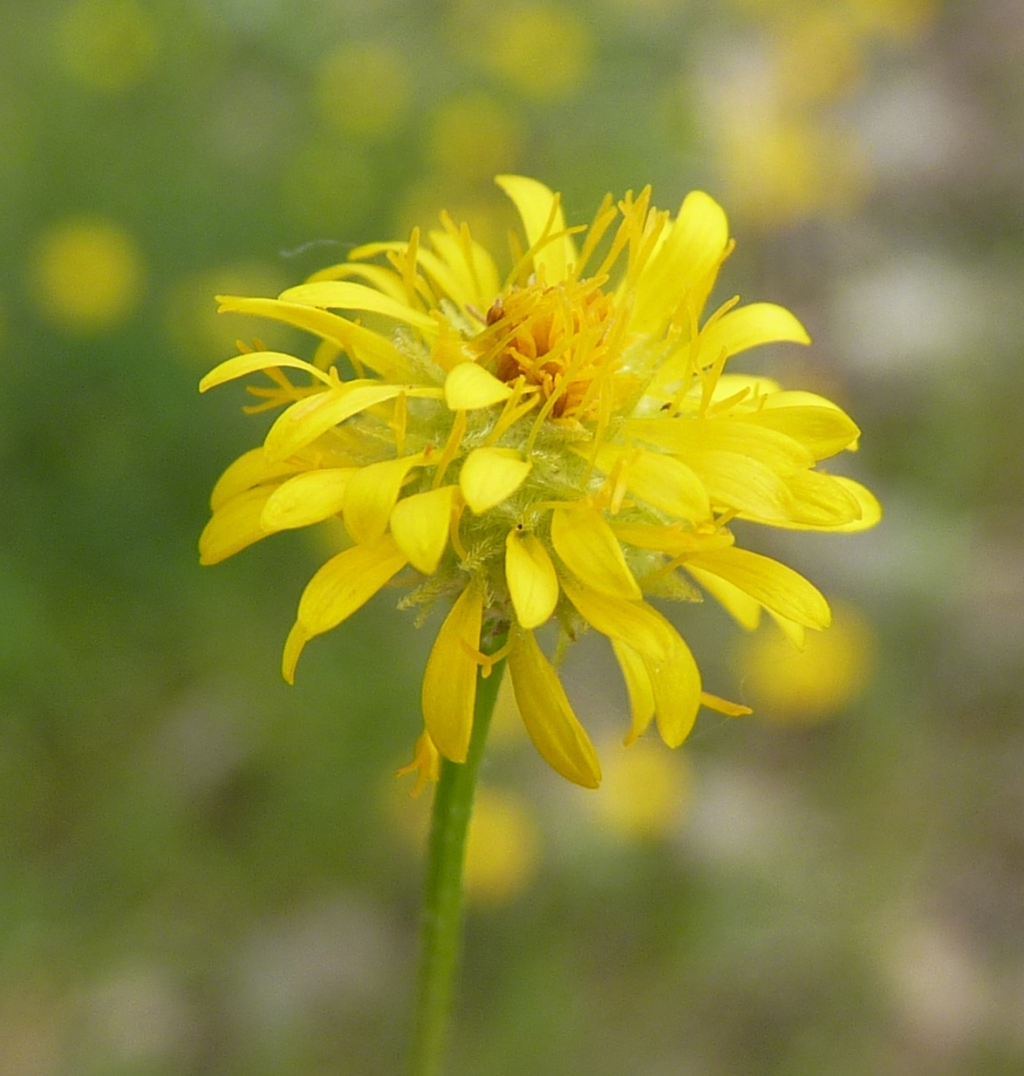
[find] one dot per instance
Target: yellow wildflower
(557, 444)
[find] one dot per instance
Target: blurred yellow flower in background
(503, 846)
(86, 275)
(645, 791)
(106, 45)
(543, 51)
(364, 89)
(472, 137)
(553, 446)
(814, 683)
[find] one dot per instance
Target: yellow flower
(554, 445)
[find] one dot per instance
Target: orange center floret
(558, 338)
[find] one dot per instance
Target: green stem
(441, 916)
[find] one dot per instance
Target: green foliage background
(204, 871)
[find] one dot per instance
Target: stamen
(606, 213)
(710, 378)
(451, 447)
(458, 507)
(398, 423)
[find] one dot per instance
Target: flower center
(558, 338)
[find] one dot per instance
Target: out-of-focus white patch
(912, 312)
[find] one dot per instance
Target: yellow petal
(490, 475)
(685, 435)
(235, 525)
(683, 265)
(469, 386)
(638, 686)
(372, 494)
(673, 540)
(346, 583)
(669, 485)
(794, 632)
(774, 585)
(676, 687)
(382, 278)
(724, 706)
(820, 501)
(249, 363)
(449, 681)
(823, 431)
(531, 578)
(306, 420)
(736, 481)
(590, 550)
(749, 326)
(634, 623)
(251, 469)
(870, 507)
(347, 295)
(548, 716)
(293, 647)
(365, 346)
(307, 498)
(420, 525)
(744, 609)
(729, 385)
(542, 217)
(470, 275)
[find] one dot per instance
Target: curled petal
(420, 526)
(668, 485)
(687, 435)
(307, 498)
(293, 647)
(638, 686)
(371, 495)
(469, 387)
(676, 687)
(634, 623)
(548, 716)
(235, 525)
(531, 578)
(304, 421)
(368, 348)
(449, 681)
(868, 505)
(346, 582)
(490, 475)
(736, 481)
(249, 363)
(820, 501)
(673, 540)
(744, 609)
(749, 326)
(251, 469)
(823, 430)
(774, 585)
(347, 295)
(590, 550)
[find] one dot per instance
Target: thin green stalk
(441, 915)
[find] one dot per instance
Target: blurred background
(207, 872)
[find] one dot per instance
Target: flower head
(554, 445)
